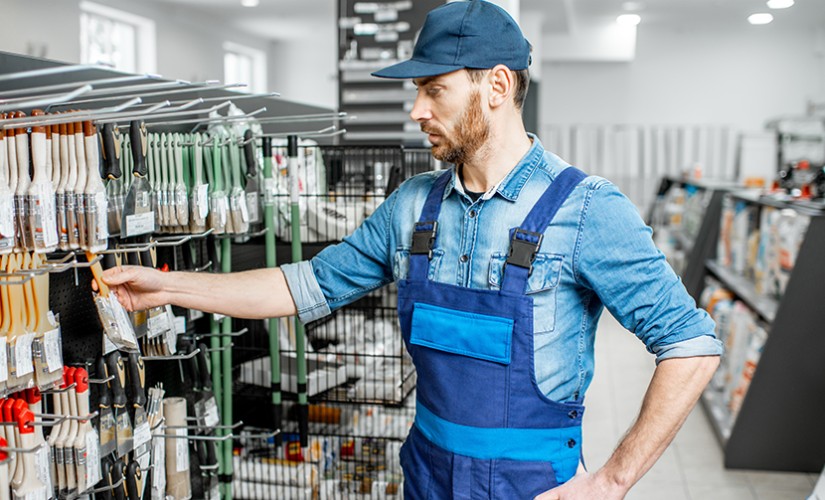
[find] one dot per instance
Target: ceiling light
(780, 4)
(250, 3)
(760, 18)
(629, 20)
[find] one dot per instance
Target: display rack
(779, 425)
(703, 246)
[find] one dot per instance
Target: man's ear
(502, 85)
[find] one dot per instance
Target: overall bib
(482, 427)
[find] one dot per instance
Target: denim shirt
(596, 253)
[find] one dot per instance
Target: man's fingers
(115, 276)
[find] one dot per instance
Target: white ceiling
(291, 19)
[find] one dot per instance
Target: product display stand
(704, 245)
(779, 425)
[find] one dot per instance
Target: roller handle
(114, 366)
(138, 144)
(249, 154)
(110, 152)
(203, 368)
(137, 379)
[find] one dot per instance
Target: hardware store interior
(217, 136)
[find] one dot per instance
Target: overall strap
(426, 229)
(525, 240)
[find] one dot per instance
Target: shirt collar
(512, 183)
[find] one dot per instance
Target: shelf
(718, 415)
(378, 96)
(804, 207)
(744, 289)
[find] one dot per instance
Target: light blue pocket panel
(459, 332)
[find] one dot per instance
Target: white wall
(189, 45)
(740, 77)
(305, 70)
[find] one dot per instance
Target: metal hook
(13, 449)
(129, 248)
(45, 100)
(198, 336)
(59, 390)
(29, 121)
(174, 241)
(173, 357)
(197, 438)
(342, 115)
(159, 93)
(31, 91)
(201, 427)
(203, 267)
(218, 119)
(165, 115)
(94, 115)
(110, 487)
(101, 381)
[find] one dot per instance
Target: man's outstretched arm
(257, 294)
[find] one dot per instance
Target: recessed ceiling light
(632, 6)
(760, 18)
(629, 19)
(250, 3)
(780, 4)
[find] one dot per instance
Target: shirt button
(473, 214)
(464, 258)
(571, 443)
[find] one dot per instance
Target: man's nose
(421, 110)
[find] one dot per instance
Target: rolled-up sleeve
(306, 293)
(347, 271)
(616, 258)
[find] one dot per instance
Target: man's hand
(585, 486)
(137, 288)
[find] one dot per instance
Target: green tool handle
(297, 256)
(197, 160)
(226, 167)
(274, 340)
(208, 157)
(226, 362)
(235, 158)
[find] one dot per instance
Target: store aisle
(691, 468)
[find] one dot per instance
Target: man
(504, 264)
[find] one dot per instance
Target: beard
(471, 133)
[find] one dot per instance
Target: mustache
(428, 130)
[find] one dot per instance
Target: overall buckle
(423, 238)
(524, 245)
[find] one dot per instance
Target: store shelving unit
(779, 426)
(701, 248)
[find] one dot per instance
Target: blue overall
(482, 427)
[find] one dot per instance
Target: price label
(158, 324)
(52, 349)
(142, 435)
(181, 451)
(210, 412)
(253, 206)
(159, 470)
(93, 474)
(23, 364)
(270, 191)
(44, 468)
(140, 224)
(201, 200)
(180, 324)
(4, 362)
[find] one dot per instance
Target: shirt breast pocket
(541, 285)
(401, 263)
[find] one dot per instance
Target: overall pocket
(401, 263)
(541, 285)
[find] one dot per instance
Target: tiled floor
(691, 468)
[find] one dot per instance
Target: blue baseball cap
(474, 34)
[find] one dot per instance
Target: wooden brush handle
(97, 272)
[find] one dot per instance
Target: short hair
(521, 77)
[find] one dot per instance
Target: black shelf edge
(716, 414)
(804, 207)
(744, 289)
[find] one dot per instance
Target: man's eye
(433, 91)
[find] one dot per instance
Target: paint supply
(178, 485)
